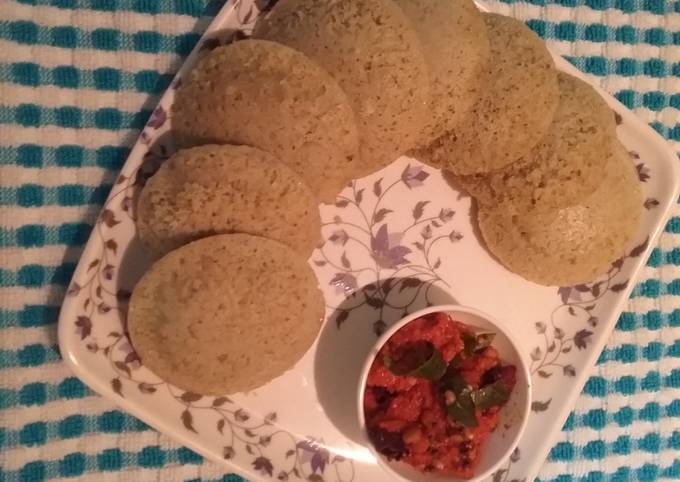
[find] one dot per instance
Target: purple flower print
(387, 251)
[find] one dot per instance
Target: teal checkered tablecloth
(78, 80)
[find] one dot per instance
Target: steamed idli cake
(225, 314)
(456, 48)
(371, 49)
(569, 162)
(213, 189)
(573, 244)
(514, 110)
(272, 97)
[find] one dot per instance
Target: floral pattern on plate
(396, 241)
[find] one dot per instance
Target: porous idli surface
(456, 47)
(514, 110)
(225, 314)
(574, 244)
(272, 97)
(372, 50)
(220, 189)
(569, 162)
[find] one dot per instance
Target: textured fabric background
(78, 80)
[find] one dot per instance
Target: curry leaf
(422, 361)
(491, 395)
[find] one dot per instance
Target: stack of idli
(324, 92)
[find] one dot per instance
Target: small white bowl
(514, 414)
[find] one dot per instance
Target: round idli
(225, 314)
(372, 50)
(566, 166)
(456, 48)
(212, 189)
(513, 112)
(274, 98)
(574, 244)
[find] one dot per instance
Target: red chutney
(438, 417)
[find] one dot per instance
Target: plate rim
(666, 155)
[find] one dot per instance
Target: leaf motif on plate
(190, 397)
(544, 374)
(270, 418)
(109, 218)
(426, 233)
(536, 354)
(219, 401)
(639, 249)
(569, 370)
(220, 425)
(123, 367)
(344, 283)
(108, 272)
(413, 176)
(188, 420)
(651, 203)
(345, 262)
(498, 475)
(146, 388)
(410, 283)
(540, 327)
(373, 301)
(564, 292)
(74, 289)
(418, 209)
(117, 386)
(359, 196)
(582, 338)
(455, 236)
(339, 237)
(380, 215)
(84, 325)
(595, 290)
(642, 172)
(341, 318)
(341, 203)
(228, 453)
(158, 118)
(446, 214)
(619, 286)
(540, 406)
(515, 456)
(377, 187)
(241, 415)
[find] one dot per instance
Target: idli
(514, 110)
(456, 49)
(211, 189)
(566, 166)
(225, 314)
(574, 244)
(274, 98)
(371, 49)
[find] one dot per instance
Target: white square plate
(394, 242)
